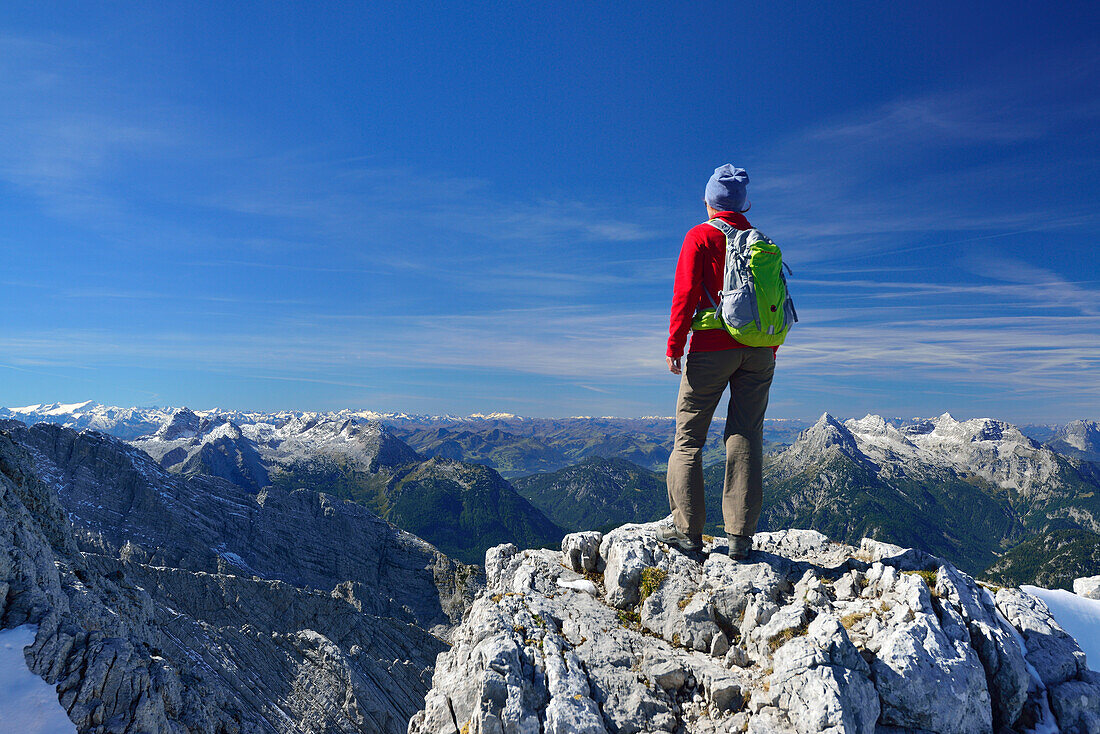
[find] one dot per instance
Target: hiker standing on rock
(730, 292)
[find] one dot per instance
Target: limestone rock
(581, 551)
(1076, 704)
(626, 552)
(173, 604)
(822, 683)
(992, 639)
(812, 636)
(1055, 655)
(1088, 587)
(927, 681)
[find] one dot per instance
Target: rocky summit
(620, 633)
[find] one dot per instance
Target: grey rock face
(992, 639)
(928, 681)
(172, 604)
(812, 636)
(203, 523)
(1055, 655)
(822, 683)
(581, 551)
(626, 553)
(1076, 704)
(1088, 587)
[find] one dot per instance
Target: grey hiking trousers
(748, 373)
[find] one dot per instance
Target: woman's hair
(748, 205)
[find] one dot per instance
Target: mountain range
(219, 571)
(977, 492)
(512, 445)
(462, 508)
(181, 602)
(981, 493)
(965, 490)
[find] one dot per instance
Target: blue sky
(445, 208)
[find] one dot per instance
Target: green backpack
(754, 305)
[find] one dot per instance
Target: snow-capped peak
(813, 443)
(1081, 435)
(184, 423)
(880, 440)
(1080, 438)
(993, 450)
(52, 409)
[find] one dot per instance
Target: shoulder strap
(722, 226)
(729, 232)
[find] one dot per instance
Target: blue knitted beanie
(726, 189)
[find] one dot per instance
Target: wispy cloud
(955, 118)
(977, 158)
(318, 265)
(65, 133)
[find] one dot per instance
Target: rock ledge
(620, 633)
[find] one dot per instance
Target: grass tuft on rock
(929, 579)
(787, 635)
(652, 578)
(850, 620)
(629, 618)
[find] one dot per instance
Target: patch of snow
(29, 703)
(27, 408)
(232, 558)
(62, 409)
(1078, 616)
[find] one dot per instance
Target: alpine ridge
(165, 603)
(459, 507)
(965, 490)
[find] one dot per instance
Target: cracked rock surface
(172, 604)
(807, 636)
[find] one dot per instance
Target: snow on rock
(126, 423)
(828, 434)
(880, 441)
(1079, 616)
(248, 448)
(995, 451)
(29, 704)
(808, 636)
(1079, 438)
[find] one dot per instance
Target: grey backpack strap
(729, 232)
(710, 298)
(723, 227)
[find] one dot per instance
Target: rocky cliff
(618, 633)
(169, 604)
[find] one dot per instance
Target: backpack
(754, 305)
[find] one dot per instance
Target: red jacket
(701, 265)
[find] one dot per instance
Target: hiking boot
(692, 543)
(740, 546)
